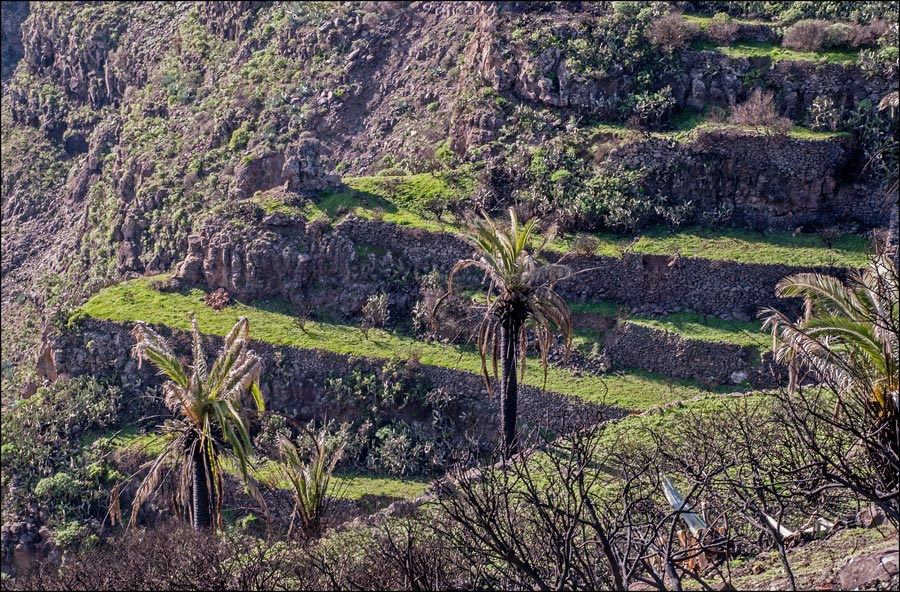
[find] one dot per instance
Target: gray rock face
(871, 571)
(297, 169)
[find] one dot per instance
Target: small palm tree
(520, 296)
(848, 339)
(309, 481)
(211, 423)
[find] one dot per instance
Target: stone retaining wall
(288, 262)
(635, 346)
(757, 181)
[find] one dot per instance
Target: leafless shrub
(585, 244)
(828, 235)
(671, 32)
(302, 315)
(805, 35)
(583, 513)
(868, 35)
(170, 557)
(759, 111)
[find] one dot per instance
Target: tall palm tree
(211, 424)
(848, 339)
(520, 296)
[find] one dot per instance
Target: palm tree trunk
(509, 388)
(202, 502)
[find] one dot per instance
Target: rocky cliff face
(12, 14)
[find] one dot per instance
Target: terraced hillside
(313, 167)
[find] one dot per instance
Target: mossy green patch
(270, 321)
(407, 200)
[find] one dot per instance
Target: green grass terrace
(271, 322)
(407, 201)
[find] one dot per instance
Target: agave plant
(848, 340)
(309, 480)
(520, 296)
(211, 424)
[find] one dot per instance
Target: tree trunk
(509, 388)
(201, 498)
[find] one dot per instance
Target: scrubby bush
(882, 61)
(671, 32)
(805, 35)
(41, 434)
(585, 244)
(839, 35)
(239, 138)
(396, 451)
(652, 108)
(375, 313)
(759, 111)
(171, 557)
(721, 29)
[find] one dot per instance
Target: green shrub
(395, 451)
(839, 35)
(62, 494)
(41, 434)
(823, 115)
(74, 536)
(239, 138)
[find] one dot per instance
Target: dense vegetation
(373, 421)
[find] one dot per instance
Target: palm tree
(309, 480)
(211, 424)
(848, 339)
(520, 296)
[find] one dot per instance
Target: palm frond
(149, 345)
(199, 359)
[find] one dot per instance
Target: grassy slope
(269, 321)
(402, 201)
(753, 49)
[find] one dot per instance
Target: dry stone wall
(757, 181)
(658, 284)
(635, 346)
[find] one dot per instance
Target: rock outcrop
(297, 169)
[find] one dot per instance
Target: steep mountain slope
(126, 125)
